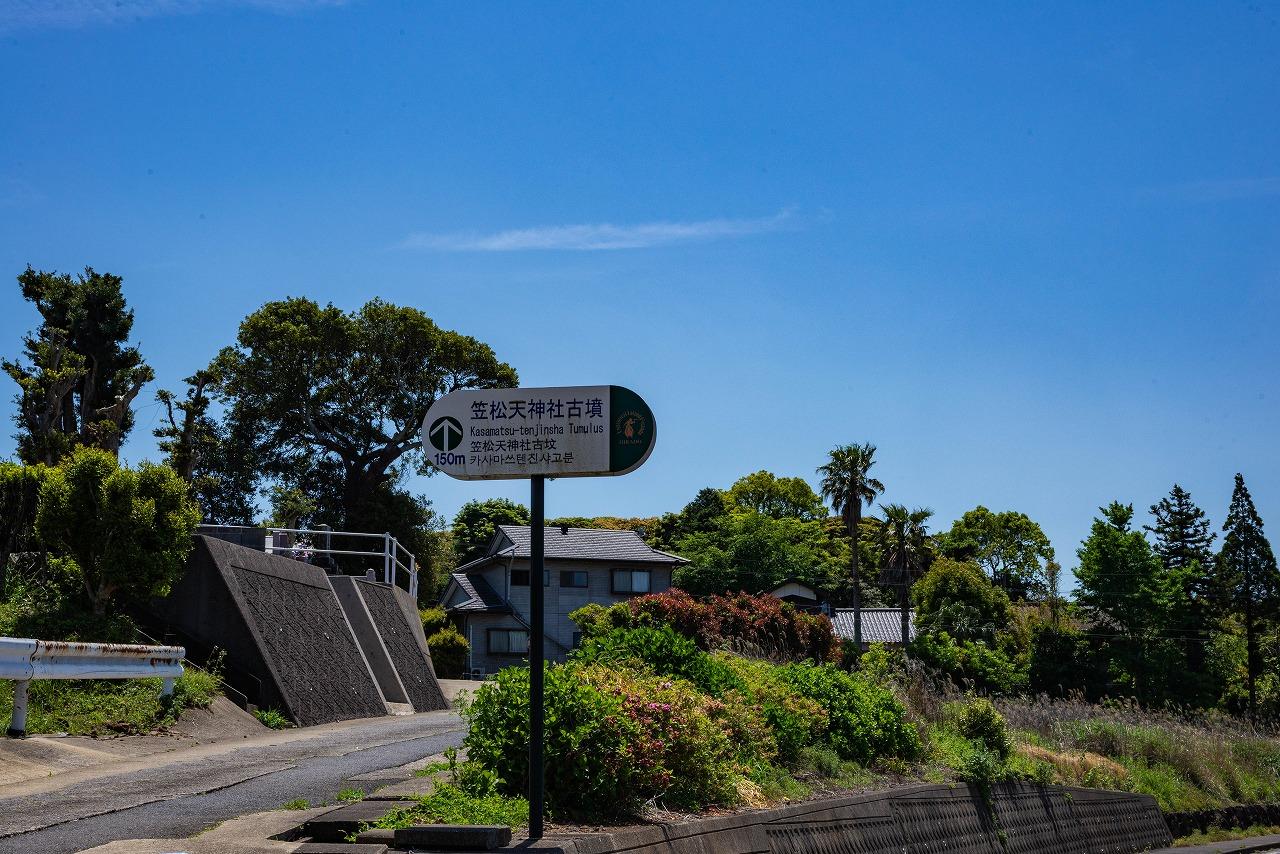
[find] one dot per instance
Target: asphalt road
(182, 796)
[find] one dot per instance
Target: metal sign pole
(536, 569)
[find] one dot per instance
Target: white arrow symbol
(445, 428)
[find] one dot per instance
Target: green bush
(614, 740)
(974, 662)
(595, 619)
(433, 619)
(449, 651)
(864, 720)
(795, 721)
(587, 740)
(979, 720)
(119, 532)
(665, 652)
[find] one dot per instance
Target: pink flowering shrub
(763, 623)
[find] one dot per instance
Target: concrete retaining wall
(1026, 818)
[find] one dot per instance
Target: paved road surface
(179, 794)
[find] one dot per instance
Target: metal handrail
(25, 659)
(390, 553)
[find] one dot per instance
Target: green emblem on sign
(445, 433)
(632, 430)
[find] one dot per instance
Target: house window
(520, 578)
(573, 578)
(631, 581)
(508, 641)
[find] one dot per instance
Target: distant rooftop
(582, 544)
(879, 625)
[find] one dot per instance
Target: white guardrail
(22, 660)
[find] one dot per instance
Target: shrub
(449, 651)
(116, 530)
(586, 747)
(434, 619)
(957, 597)
(614, 740)
(974, 662)
(761, 623)
(794, 720)
(864, 720)
(979, 720)
(663, 651)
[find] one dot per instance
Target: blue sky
(1031, 253)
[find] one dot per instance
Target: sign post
(536, 433)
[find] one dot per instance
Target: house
(489, 597)
(803, 596)
(879, 625)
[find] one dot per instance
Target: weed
(349, 795)
(273, 718)
(449, 804)
(296, 804)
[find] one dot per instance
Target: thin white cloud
(1221, 190)
(41, 14)
(601, 236)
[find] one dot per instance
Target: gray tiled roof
(879, 625)
(483, 596)
(588, 544)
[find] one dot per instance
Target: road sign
(536, 433)
(576, 431)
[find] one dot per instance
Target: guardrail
(23, 659)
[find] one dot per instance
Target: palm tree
(846, 485)
(904, 553)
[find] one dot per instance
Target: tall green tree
(847, 485)
(222, 466)
(1011, 547)
(478, 521)
(116, 530)
(1247, 577)
(699, 516)
(905, 554)
(80, 376)
(314, 394)
(1183, 542)
(779, 497)
(1122, 587)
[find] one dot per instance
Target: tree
(19, 496)
(958, 598)
(315, 394)
(846, 485)
(478, 521)
(80, 378)
(116, 530)
(1182, 535)
(778, 497)
(905, 554)
(1183, 542)
(1247, 576)
(699, 516)
(1011, 547)
(220, 461)
(750, 552)
(1123, 588)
